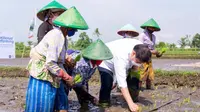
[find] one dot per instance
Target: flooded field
(168, 96)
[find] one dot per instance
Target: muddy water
(12, 98)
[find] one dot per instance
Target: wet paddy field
(168, 96)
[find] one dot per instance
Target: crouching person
(126, 53)
(92, 57)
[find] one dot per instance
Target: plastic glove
(67, 78)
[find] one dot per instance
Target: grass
(181, 54)
(13, 72)
(160, 72)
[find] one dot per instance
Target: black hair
(143, 53)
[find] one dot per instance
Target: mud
(13, 90)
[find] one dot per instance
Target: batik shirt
(48, 57)
(85, 69)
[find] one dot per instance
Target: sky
(176, 18)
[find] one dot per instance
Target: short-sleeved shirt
(121, 62)
(43, 29)
(145, 39)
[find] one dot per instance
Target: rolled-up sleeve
(120, 72)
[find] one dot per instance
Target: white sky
(175, 17)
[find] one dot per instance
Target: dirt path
(164, 64)
(12, 98)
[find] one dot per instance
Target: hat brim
(41, 15)
(156, 29)
(133, 33)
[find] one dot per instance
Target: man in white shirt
(126, 53)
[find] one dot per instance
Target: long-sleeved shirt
(48, 57)
(145, 39)
(85, 69)
(121, 62)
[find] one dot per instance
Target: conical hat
(97, 51)
(54, 5)
(128, 28)
(151, 23)
(72, 19)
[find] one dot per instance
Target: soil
(166, 89)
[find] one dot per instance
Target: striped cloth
(43, 97)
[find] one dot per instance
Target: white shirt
(120, 63)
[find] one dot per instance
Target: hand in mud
(95, 101)
(133, 107)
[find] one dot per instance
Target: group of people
(55, 70)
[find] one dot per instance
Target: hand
(158, 55)
(70, 82)
(133, 107)
(67, 78)
(95, 101)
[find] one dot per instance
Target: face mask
(127, 36)
(134, 63)
(71, 32)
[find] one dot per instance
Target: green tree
(71, 44)
(196, 41)
(96, 32)
(83, 41)
(185, 41)
(172, 46)
(30, 43)
(161, 45)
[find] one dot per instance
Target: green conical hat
(128, 28)
(97, 51)
(72, 19)
(54, 6)
(151, 23)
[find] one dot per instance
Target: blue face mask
(71, 32)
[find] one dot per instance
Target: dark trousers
(83, 95)
(106, 86)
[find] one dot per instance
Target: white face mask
(134, 63)
(127, 36)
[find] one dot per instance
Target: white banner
(7, 46)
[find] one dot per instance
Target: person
(128, 31)
(126, 53)
(45, 90)
(48, 14)
(92, 56)
(149, 39)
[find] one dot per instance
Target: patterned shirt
(85, 69)
(48, 57)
